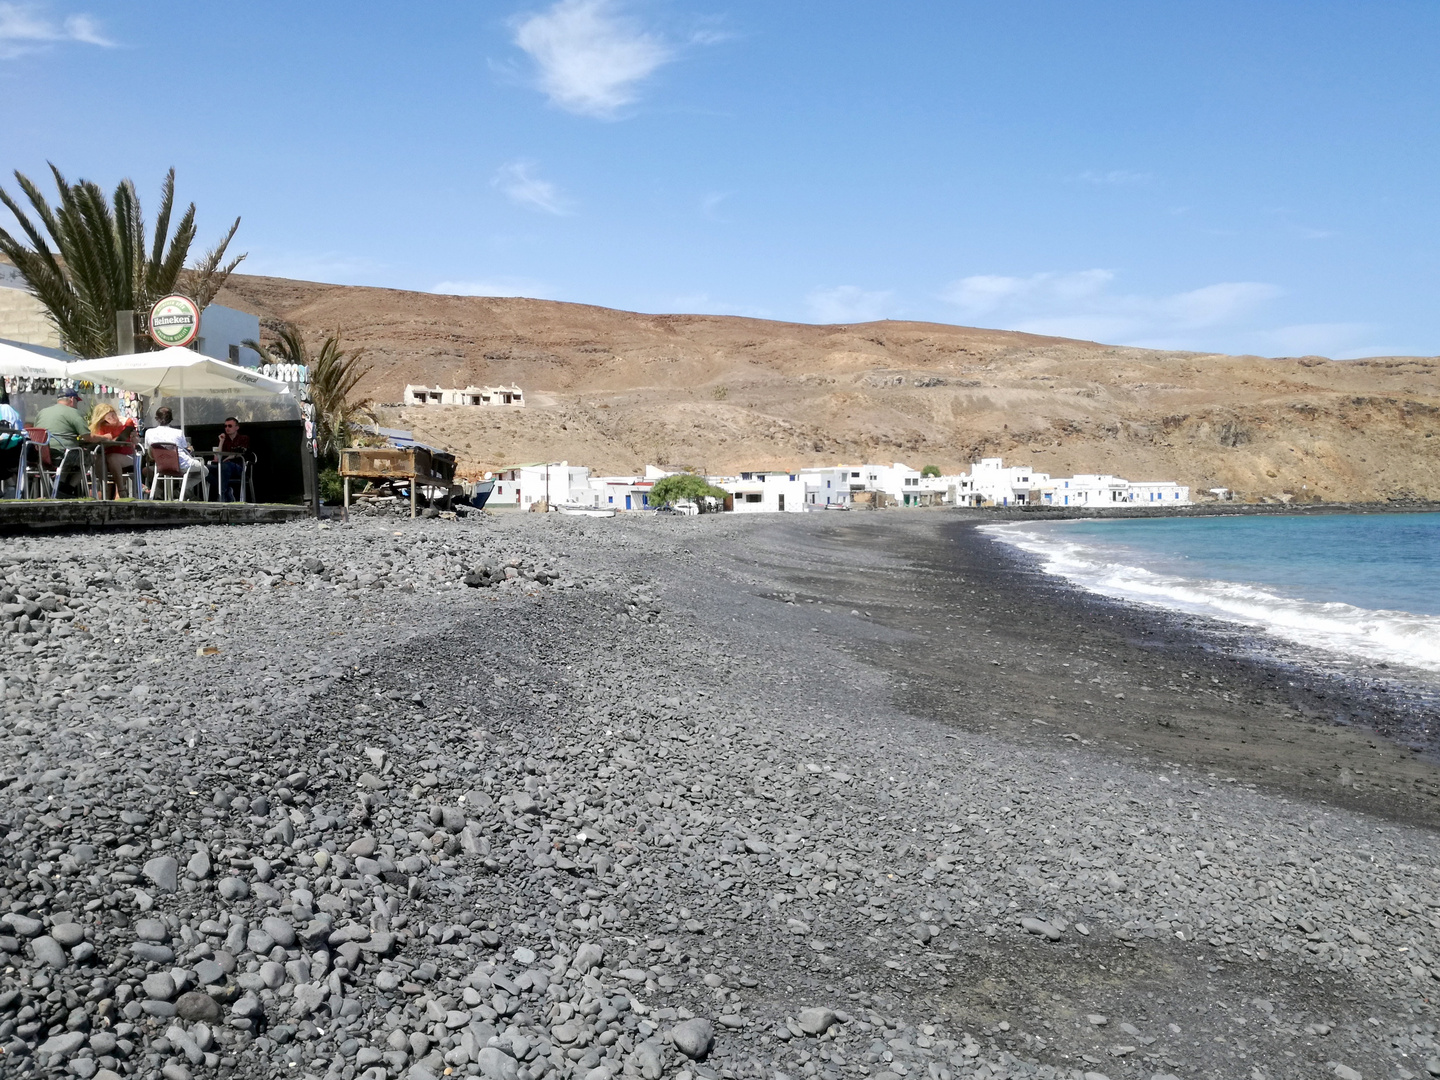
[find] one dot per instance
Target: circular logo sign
(174, 320)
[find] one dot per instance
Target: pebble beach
(521, 796)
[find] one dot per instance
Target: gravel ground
(521, 796)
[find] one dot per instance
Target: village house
(471, 395)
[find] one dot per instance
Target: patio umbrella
(20, 361)
(176, 373)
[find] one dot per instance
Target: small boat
(480, 493)
(578, 510)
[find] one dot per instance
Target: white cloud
(1115, 176)
(1086, 305)
(847, 304)
(517, 181)
(1338, 340)
(27, 28)
(590, 59)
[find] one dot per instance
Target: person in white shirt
(164, 431)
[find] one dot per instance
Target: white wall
(221, 327)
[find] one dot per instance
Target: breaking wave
(1396, 637)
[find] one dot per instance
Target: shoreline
(1191, 689)
(1218, 509)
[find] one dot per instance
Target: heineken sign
(174, 320)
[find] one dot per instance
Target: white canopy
(19, 361)
(176, 373)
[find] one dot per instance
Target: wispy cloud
(590, 58)
(847, 304)
(520, 184)
(1115, 176)
(28, 28)
(1086, 305)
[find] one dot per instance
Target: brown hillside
(615, 389)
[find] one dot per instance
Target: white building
(524, 485)
(512, 396)
(991, 482)
(827, 487)
(764, 492)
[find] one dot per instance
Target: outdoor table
(99, 445)
(219, 457)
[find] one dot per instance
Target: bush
(332, 487)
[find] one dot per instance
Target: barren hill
(616, 389)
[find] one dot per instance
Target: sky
(1248, 177)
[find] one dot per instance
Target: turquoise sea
(1362, 586)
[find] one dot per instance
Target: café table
(99, 446)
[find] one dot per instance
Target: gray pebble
(164, 873)
(48, 951)
(694, 1038)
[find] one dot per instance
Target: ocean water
(1361, 586)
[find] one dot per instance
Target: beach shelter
(20, 361)
(177, 373)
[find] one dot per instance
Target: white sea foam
(1396, 637)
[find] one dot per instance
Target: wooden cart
(416, 464)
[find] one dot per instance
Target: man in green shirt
(65, 425)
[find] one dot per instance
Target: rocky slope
(615, 390)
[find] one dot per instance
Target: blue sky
(1247, 177)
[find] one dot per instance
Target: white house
(512, 396)
(827, 487)
(524, 485)
(765, 492)
(1102, 489)
(620, 493)
(991, 482)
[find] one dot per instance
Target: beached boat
(578, 510)
(480, 493)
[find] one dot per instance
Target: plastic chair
(39, 470)
(168, 471)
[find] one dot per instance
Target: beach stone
(199, 866)
(196, 1006)
(1041, 928)
(815, 1021)
(209, 972)
(152, 953)
(495, 1064)
(62, 1045)
(159, 986)
(164, 873)
(233, 888)
(588, 956)
(23, 925)
(68, 934)
(48, 951)
(280, 931)
(152, 930)
(694, 1038)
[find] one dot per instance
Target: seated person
(12, 439)
(66, 427)
(232, 441)
(105, 423)
(165, 431)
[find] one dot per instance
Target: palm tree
(88, 258)
(333, 376)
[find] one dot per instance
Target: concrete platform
(24, 515)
